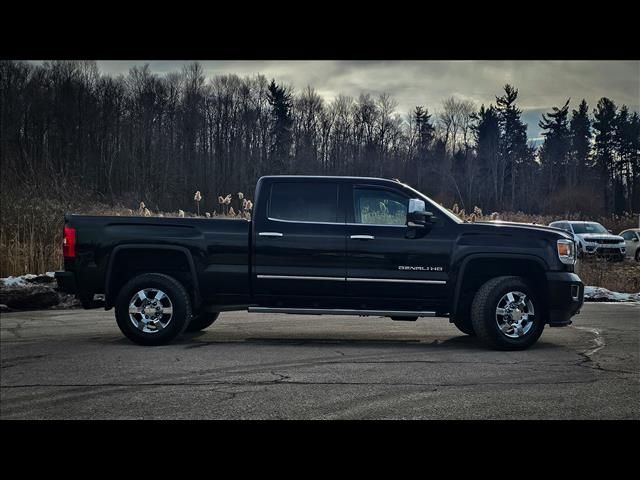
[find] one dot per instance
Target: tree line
(158, 139)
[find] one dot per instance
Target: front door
(391, 265)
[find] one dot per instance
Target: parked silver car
(592, 239)
(632, 240)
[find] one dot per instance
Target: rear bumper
(66, 282)
(565, 297)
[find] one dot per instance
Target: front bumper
(565, 297)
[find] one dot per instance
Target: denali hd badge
(422, 269)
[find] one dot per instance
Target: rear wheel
(201, 321)
(506, 314)
(152, 309)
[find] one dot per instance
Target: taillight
(69, 242)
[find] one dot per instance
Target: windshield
(449, 214)
(588, 228)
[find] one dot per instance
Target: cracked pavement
(75, 364)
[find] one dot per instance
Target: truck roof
(575, 221)
(330, 177)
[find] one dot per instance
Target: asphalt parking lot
(75, 364)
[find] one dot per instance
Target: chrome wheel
(150, 310)
(515, 314)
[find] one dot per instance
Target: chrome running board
(337, 311)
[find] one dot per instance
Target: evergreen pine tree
(604, 146)
(626, 163)
(487, 132)
(554, 153)
(580, 133)
(513, 144)
(281, 103)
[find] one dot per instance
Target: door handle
(362, 237)
(270, 234)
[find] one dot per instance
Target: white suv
(593, 239)
(632, 239)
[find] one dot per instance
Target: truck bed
(219, 249)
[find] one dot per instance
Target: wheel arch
(114, 279)
(476, 269)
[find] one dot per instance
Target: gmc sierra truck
(325, 245)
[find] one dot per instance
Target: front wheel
(152, 309)
(506, 314)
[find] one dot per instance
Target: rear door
(299, 240)
(388, 263)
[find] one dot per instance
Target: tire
(137, 326)
(201, 321)
(637, 255)
(465, 326)
(485, 317)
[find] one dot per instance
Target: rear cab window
(314, 202)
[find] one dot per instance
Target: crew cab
(325, 245)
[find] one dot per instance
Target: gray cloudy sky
(541, 84)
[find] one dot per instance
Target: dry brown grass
(621, 277)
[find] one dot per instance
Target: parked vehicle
(632, 242)
(593, 239)
(325, 245)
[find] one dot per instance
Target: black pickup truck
(325, 245)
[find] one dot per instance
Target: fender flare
(460, 272)
(139, 246)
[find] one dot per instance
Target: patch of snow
(22, 280)
(602, 294)
(16, 281)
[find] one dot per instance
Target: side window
(373, 206)
(567, 227)
(304, 202)
(628, 235)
